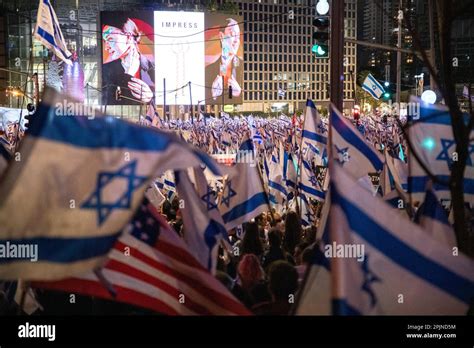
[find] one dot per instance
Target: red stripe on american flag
(117, 266)
(94, 288)
(220, 299)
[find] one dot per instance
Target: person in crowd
(275, 251)
(293, 232)
(299, 252)
(282, 285)
(251, 243)
(250, 272)
(306, 260)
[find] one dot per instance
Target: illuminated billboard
(224, 58)
(128, 58)
(141, 50)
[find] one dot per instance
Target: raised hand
(217, 87)
(140, 90)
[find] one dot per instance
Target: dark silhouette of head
(283, 280)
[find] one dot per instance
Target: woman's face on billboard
(116, 43)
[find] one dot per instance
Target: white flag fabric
(314, 132)
(381, 264)
(434, 220)
(202, 234)
(431, 135)
(373, 87)
(49, 33)
(88, 190)
(315, 295)
(243, 197)
(350, 149)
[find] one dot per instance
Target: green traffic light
(386, 95)
(319, 50)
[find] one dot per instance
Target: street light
(322, 7)
(429, 96)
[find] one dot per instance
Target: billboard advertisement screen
(224, 58)
(128, 57)
(141, 50)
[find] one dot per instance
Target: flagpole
(164, 100)
(298, 177)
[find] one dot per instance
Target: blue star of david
(369, 277)
(209, 198)
(321, 127)
(313, 181)
(342, 154)
(124, 201)
(444, 155)
(230, 193)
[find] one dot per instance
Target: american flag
(151, 267)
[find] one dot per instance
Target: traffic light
(320, 46)
(230, 92)
(387, 95)
(321, 37)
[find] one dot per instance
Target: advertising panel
(141, 50)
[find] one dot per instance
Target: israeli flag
(314, 297)
(314, 132)
(289, 171)
(276, 183)
(243, 197)
(49, 33)
(373, 87)
(76, 188)
(309, 184)
(350, 149)
(433, 218)
(201, 233)
(432, 138)
(384, 265)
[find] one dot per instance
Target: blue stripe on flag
(314, 136)
(401, 253)
(433, 209)
(245, 207)
(277, 187)
(356, 142)
(311, 190)
(169, 183)
(341, 307)
(50, 39)
(417, 184)
(81, 132)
